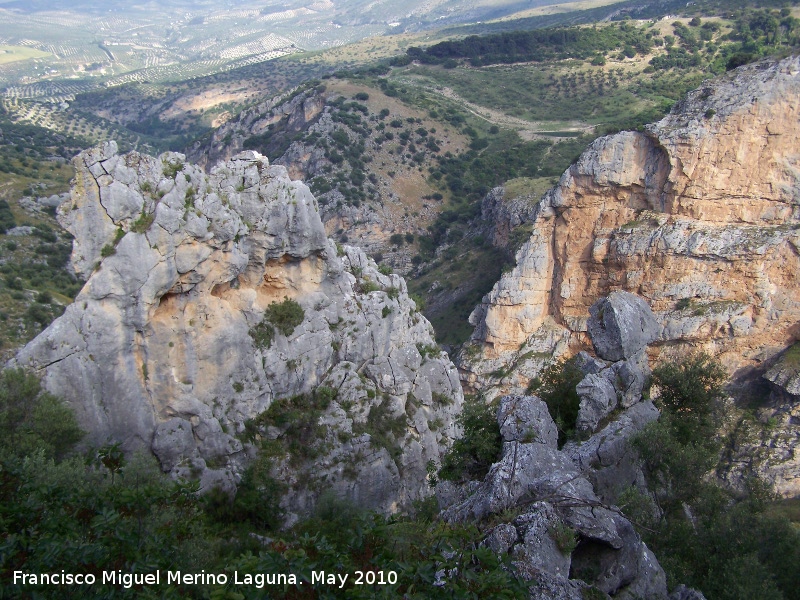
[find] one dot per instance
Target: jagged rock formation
(556, 507)
(770, 446)
(565, 536)
(699, 214)
(503, 213)
(785, 373)
(177, 341)
(297, 111)
(358, 165)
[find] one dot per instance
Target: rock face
(785, 373)
(699, 215)
(621, 326)
(297, 111)
(770, 445)
(566, 537)
(187, 330)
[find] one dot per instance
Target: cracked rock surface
(158, 350)
(562, 535)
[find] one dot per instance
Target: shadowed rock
(621, 325)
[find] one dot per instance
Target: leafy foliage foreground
(98, 512)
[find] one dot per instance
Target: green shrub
(262, 335)
(32, 419)
(441, 399)
(171, 169)
(6, 217)
(556, 386)
(40, 314)
(384, 429)
(285, 316)
(143, 223)
(691, 389)
(298, 418)
(257, 499)
(367, 286)
(426, 350)
(564, 536)
(478, 448)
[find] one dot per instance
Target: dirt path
(527, 130)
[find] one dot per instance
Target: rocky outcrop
(565, 533)
(699, 215)
(294, 111)
(785, 373)
(769, 445)
(210, 297)
(41, 204)
(565, 537)
(504, 213)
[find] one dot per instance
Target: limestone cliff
(177, 342)
(699, 214)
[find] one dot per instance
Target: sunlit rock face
(699, 215)
(160, 350)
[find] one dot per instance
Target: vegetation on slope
(538, 45)
(35, 282)
(727, 545)
(100, 511)
(753, 34)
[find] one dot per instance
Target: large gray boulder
(598, 400)
(526, 419)
(621, 325)
(607, 459)
(608, 387)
